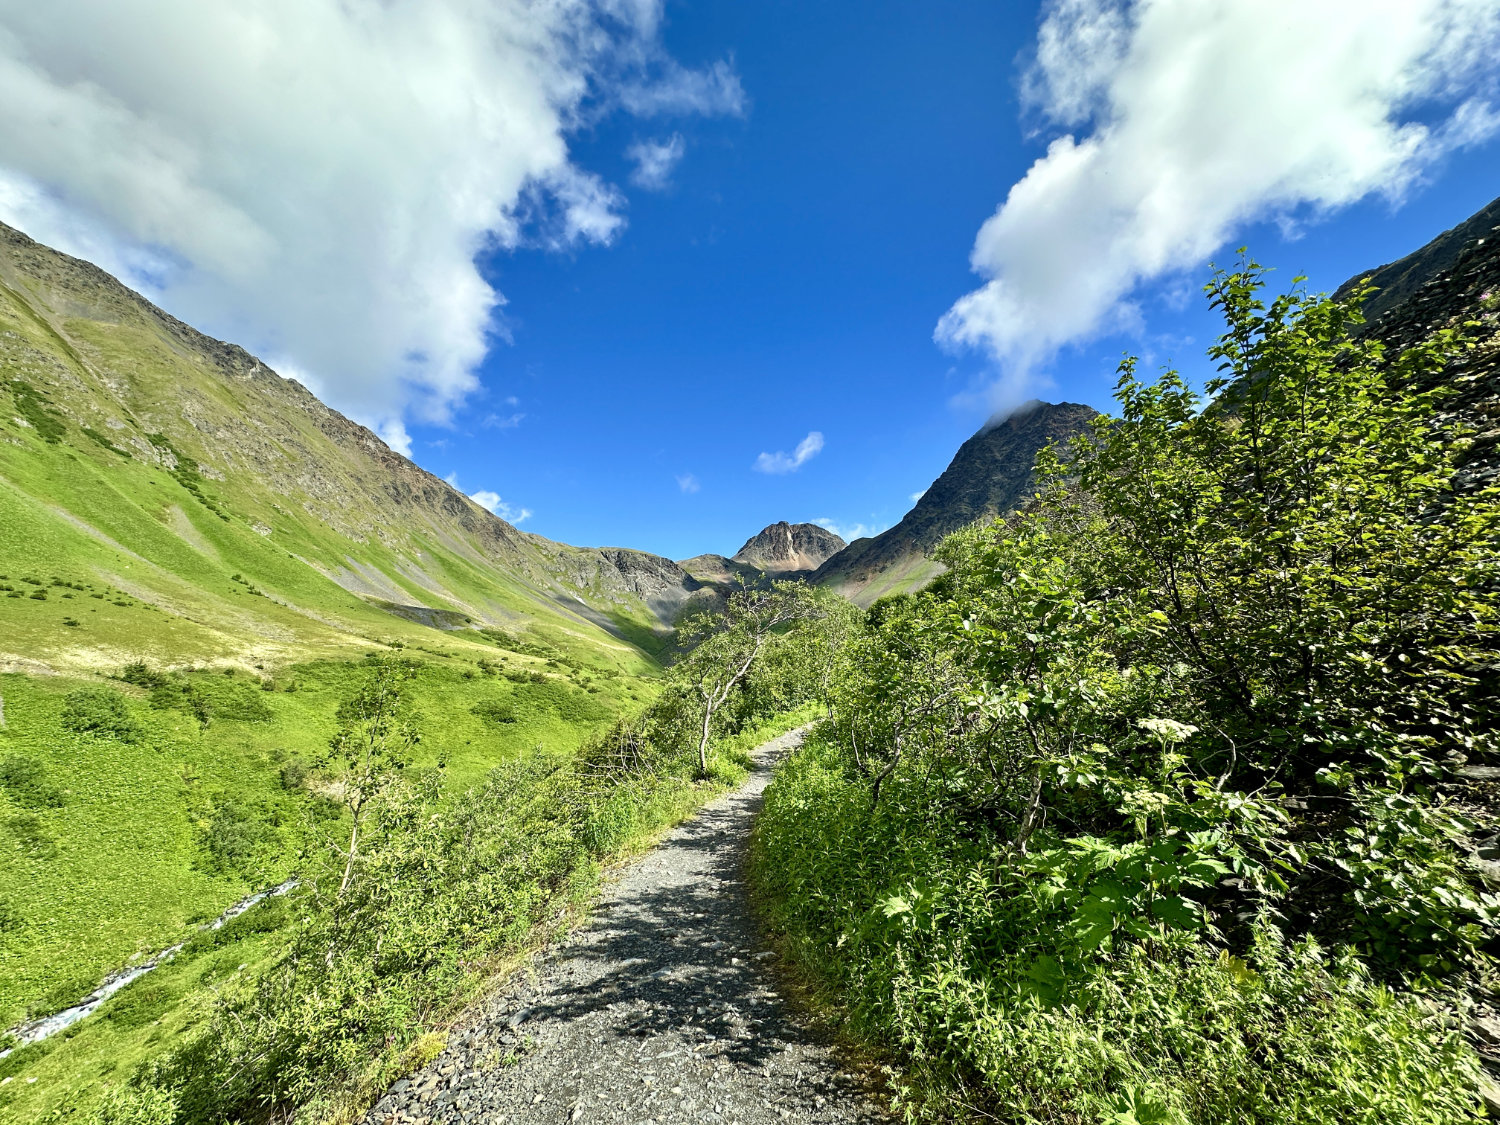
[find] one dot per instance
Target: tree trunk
(708, 717)
(349, 863)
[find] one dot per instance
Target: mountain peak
(988, 477)
(784, 548)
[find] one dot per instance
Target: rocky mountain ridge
(789, 548)
(1451, 282)
(988, 476)
(115, 371)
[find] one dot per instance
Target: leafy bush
(24, 780)
(438, 890)
(128, 1105)
(943, 952)
(232, 839)
(1091, 807)
(266, 916)
(100, 712)
(294, 774)
(176, 692)
(34, 406)
(32, 836)
(139, 1003)
(562, 699)
(142, 675)
(494, 711)
(11, 919)
(233, 699)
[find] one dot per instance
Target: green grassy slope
(122, 858)
(137, 454)
(167, 499)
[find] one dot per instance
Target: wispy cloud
(915, 496)
(674, 89)
(688, 483)
(1179, 122)
(655, 161)
(808, 448)
(492, 502)
(849, 532)
(502, 421)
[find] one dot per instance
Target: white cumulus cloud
(688, 483)
(808, 448)
(655, 161)
(491, 502)
(1188, 120)
(314, 178)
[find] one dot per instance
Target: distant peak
(1020, 415)
(785, 547)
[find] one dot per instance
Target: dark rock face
(989, 476)
(1452, 281)
(786, 548)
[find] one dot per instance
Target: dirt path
(660, 1010)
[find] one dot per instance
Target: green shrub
(234, 699)
(1143, 809)
(265, 917)
(178, 693)
(11, 919)
(493, 711)
(141, 675)
(294, 775)
(139, 1003)
(105, 441)
(940, 957)
(34, 406)
(562, 698)
(24, 780)
(232, 839)
(127, 1105)
(32, 836)
(440, 889)
(100, 712)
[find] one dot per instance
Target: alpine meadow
(1102, 726)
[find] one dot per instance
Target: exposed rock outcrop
(789, 548)
(989, 476)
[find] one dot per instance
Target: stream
(34, 1031)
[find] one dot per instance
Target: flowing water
(33, 1031)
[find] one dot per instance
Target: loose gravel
(661, 1011)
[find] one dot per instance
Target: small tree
(373, 745)
(725, 646)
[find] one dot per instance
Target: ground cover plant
(424, 859)
(133, 811)
(1149, 809)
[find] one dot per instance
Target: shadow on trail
(658, 1010)
(685, 949)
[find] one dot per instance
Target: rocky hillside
(990, 475)
(722, 573)
(119, 423)
(1452, 281)
(788, 548)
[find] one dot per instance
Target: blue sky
(791, 278)
(822, 172)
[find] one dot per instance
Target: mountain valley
(200, 563)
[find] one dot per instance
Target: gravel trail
(660, 1010)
